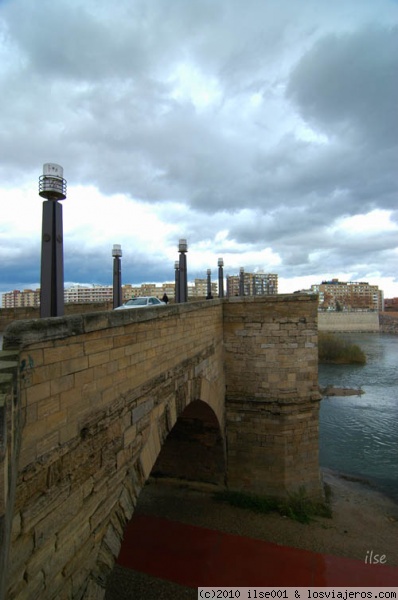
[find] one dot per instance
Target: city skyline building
(352, 295)
(252, 284)
(333, 294)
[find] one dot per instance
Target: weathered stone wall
(389, 323)
(8, 315)
(99, 394)
(348, 321)
(272, 397)
(10, 429)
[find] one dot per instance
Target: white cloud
(190, 84)
(374, 222)
(262, 132)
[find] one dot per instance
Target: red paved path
(198, 557)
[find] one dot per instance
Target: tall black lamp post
(52, 187)
(220, 278)
(117, 275)
(183, 276)
(177, 281)
(209, 294)
(241, 281)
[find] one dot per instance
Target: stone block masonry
(272, 397)
(99, 396)
(8, 315)
(10, 437)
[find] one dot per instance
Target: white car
(141, 302)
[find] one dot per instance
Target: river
(359, 434)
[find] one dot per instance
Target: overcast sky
(262, 131)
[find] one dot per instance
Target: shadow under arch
(194, 450)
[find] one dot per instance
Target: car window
(136, 302)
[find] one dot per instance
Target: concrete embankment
(349, 321)
(389, 322)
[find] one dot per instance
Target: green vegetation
(297, 506)
(332, 349)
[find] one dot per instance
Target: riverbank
(363, 518)
(363, 521)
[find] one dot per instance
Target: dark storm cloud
(347, 85)
(284, 110)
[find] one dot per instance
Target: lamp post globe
(182, 245)
(52, 185)
(117, 250)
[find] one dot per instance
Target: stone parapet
(8, 315)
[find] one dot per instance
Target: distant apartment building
(391, 304)
(84, 295)
(199, 288)
(354, 295)
(148, 289)
(75, 294)
(18, 298)
(99, 293)
(254, 284)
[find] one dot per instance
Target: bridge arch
(190, 447)
(195, 448)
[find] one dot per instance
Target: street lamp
(220, 278)
(241, 281)
(177, 282)
(183, 276)
(52, 187)
(209, 294)
(117, 275)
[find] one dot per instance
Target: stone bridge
(221, 391)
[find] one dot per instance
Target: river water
(359, 434)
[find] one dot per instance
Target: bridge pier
(272, 397)
(273, 449)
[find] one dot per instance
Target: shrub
(297, 506)
(332, 349)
